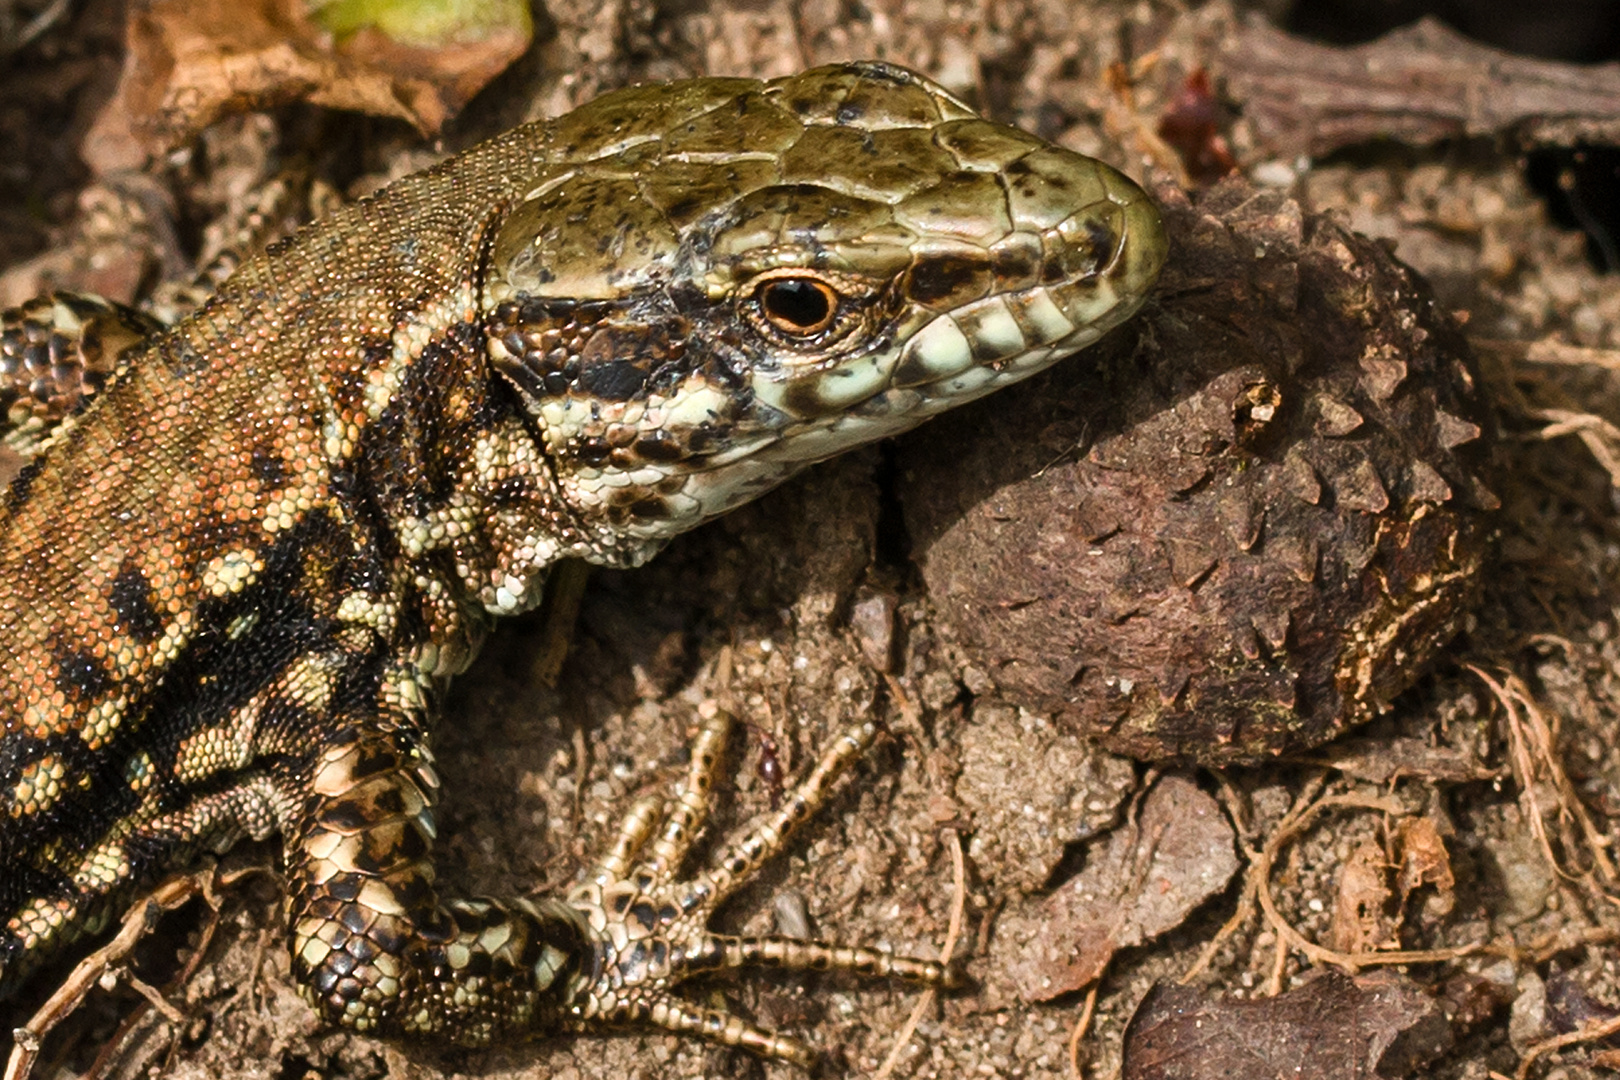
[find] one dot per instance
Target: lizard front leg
(57, 351)
(376, 949)
(373, 946)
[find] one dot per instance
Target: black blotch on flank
(18, 492)
(80, 675)
(131, 599)
(511, 491)
(268, 467)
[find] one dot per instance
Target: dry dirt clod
(1244, 528)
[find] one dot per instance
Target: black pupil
(801, 303)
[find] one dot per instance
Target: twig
(952, 932)
(1081, 1026)
(36, 27)
(1251, 880)
(1318, 954)
(1515, 698)
(1600, 1029)
(138, 921)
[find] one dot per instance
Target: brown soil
(801, 584)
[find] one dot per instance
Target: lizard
(248, 551)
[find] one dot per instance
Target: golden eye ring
(797, 306)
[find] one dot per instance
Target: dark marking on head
(409, 845)
(983, 350)
(386, 934)
(132, 599)
(912, 371)
(37, 361)
(614, 380)
(529, 382)
(1102, 242)
(701, 439)
(685, 209)
(593, 451)
(342, 815)
(803, 399)
(883, 72)
(650, 509)
(479, 965)
(416, 894)
(387, 802)
(946, 277)
(660, 446)
(1014, 264)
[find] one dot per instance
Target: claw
(651, 928)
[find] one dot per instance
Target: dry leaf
(1333, 1028)
(1380, 761)
(1175, 856)
(457, 46)
(189, 62)
(1423, 861)
(1571, 1006)
(1361, 911)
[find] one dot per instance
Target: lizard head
(711, 285)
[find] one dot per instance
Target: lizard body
(234, 586)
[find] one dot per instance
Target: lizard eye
(798, 306)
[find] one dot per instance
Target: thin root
(952, 932)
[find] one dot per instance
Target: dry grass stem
(1081, 1025)
(953, 931)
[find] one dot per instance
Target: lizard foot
(651, 928)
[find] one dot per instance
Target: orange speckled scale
(234, 586)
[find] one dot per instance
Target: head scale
(712, 284)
